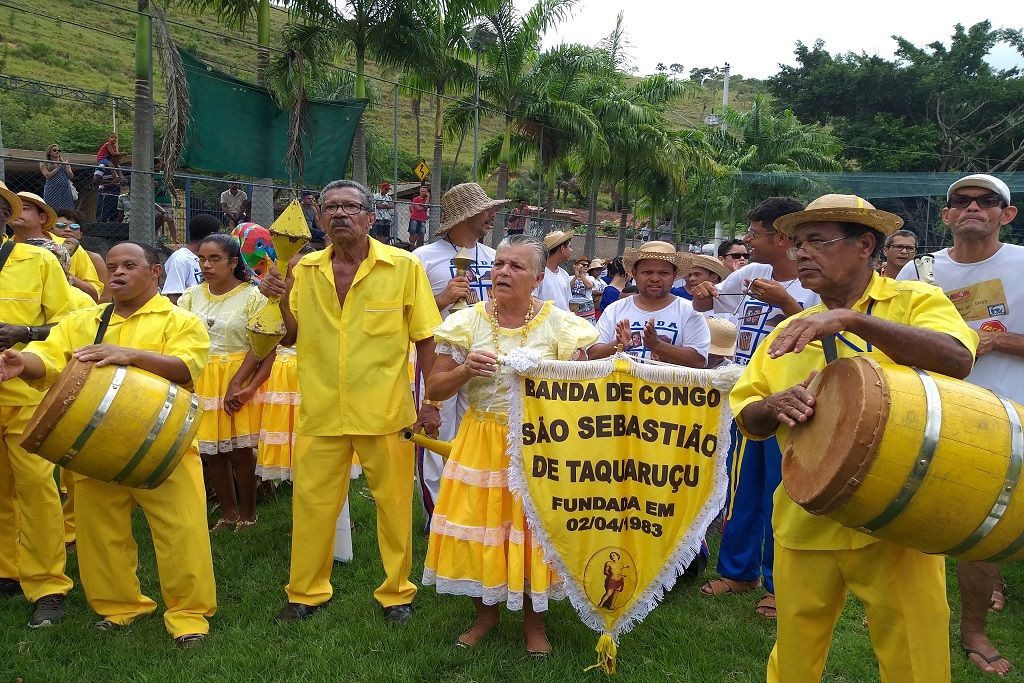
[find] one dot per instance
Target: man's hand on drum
(105, 354)
(802, 331)
(11, 335)
(11, 364)
(793, 405)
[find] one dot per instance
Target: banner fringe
(607, 651)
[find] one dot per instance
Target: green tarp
(237, 128)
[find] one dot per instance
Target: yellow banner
(621, 468)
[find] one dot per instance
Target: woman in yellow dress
(230, 428)
(480, 545)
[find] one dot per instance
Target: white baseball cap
(981, 180)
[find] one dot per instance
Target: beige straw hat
(841, 208)
(661, 251)
(51, 215)
(465, 201)
(709, 263)
(556, 238)
(723, 336)
(597, 263)
(12, 199)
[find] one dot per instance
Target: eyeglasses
(905, 248)
(810, 247)
(73, 226)
(349, 208)
(985, 201)
(737, 257)
(752, 234)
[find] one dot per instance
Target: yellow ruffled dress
(279, 403)
(225, 317)
(480, 544)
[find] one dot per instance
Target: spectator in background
(69, 226)
(312, 213)
(645, 231)
(124, 204)
(616, 285)
(182, 267)
(517, 219)
(164, 203)
(108, 149)
(900, 249)
(234, 203)
(555, 285)
(733, 253)
(58, 190)
(418, 217)
(108, 181)
(385, 212)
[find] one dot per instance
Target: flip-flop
(762, 604)
(988, 660)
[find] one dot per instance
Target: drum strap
(104, 322)
(5, 252)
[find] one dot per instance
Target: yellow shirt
(907, 302)
(82, 266)
(33, 291)
(352, 361)
(159, 326)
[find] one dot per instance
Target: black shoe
(189, 640)
(398, 614)
(10, 588)
(296, 611)
(49, 611)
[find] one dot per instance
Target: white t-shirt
(182, 269)
(755, 319)
(989, 296)
(555, 287)
(677, 324)
(382, 213)
(436, 258)
(233, 203)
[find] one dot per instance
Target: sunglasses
(73, 226)
(985, 201)
(737, 257)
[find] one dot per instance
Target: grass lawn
(689, 638)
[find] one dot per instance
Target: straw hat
(723, 336)
(709, 263)
(465, 201)
(12, 199)
(556, 238)
(51, 215)
(661, 251)
(841, 208)
(596, 263)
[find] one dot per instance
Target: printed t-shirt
(436, 258)
(677, 323)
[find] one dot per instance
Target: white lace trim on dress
(489, 536)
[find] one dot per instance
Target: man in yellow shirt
(146, 331)
(34, 294)
(818, 560)
(351, 310)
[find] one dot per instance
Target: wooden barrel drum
(114, 423)
(911, 457)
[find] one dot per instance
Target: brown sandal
(723, 586)
(223, 524)
(766, 607)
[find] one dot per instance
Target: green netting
(237, 128)
(869, 185)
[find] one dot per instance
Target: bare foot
(983, 654)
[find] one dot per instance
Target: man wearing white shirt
(981, 275)
(182, 267)
(654, 324)
(234, 203)
(555, 286)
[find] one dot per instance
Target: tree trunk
(435, 171)
(416, 100)
(262, 42)
(623, 211)
(141, 227)
(359, 139)
(501, 220)
(590, 244)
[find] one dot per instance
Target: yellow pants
(904, 594)
(67, 482)
(31, 523)
(321, 473)
(108, 556)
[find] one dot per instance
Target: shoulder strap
(104, 322)
(5, 252)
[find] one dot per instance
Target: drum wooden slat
(114, 423)
(855, 460)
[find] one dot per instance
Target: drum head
(55, 404)
(827, 457)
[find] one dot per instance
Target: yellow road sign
(422, 170)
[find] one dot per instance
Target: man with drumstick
(36, 294)
(817, 560)
(758, 296)
(980, 274)
(145, 331)
(352, 310)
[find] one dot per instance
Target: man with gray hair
(351, 311)
(900, 249)
(979, 273)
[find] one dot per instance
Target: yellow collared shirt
(353, 359)
(159, 326)
(911, 303)
(33, 291)
(82, 266)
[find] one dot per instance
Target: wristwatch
(30, 334)
(436, 404)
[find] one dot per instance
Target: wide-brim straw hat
(32, 198)
(12, 199)
(709, 263)
(556, 238)
(723, 336)
(660, 251)
(840, 208)
(596, 263)
(465, 201)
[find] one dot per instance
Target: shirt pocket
(383, 318)
(20, 308)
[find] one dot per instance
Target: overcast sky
(756, 36)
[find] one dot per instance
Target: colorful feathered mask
(257, 248)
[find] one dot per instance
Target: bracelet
(436, 404)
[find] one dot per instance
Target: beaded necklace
(495, 325)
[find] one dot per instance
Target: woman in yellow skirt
(230, 428)
(279, 404)
(480, 545)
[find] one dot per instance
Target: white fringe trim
(228, 445)
(489, 536)
(493, 595)
(488, 479)
(722, 378)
